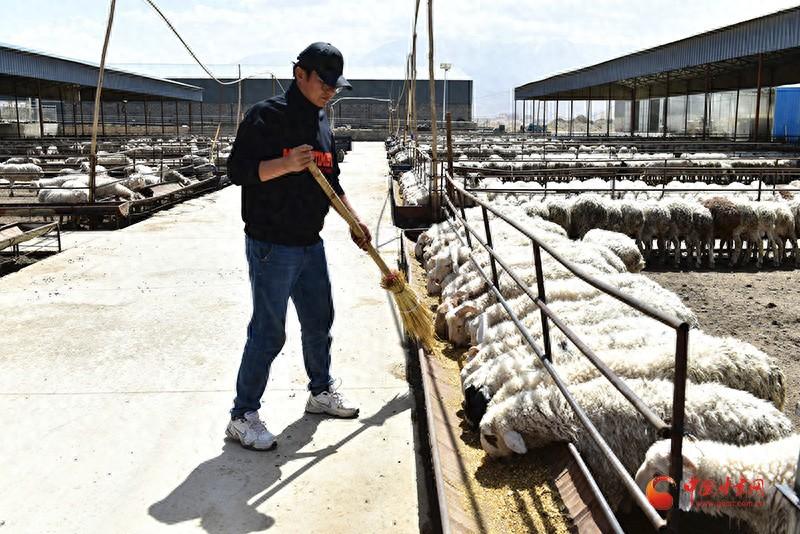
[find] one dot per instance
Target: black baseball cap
(327, 61)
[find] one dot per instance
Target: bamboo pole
(95, 115)
(413, 89)
(432, 89)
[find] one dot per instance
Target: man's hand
(362, 243)
(298, 158)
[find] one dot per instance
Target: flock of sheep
(664, 221)
(118, 177)
(676, 222)
(734, 395)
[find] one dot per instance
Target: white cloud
(499, 43)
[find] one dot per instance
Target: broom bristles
(417, 318)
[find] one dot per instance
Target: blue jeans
(278, 272)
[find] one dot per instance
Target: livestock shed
(719, 83)
(366, 106)
(43, 94)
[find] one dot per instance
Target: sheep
(702, 235)
(727, 222)
(588, 211)
(784, 231)
(72, 194)
(728, 361)
(772, 463)
(620, 244)
(535, 418)
(559, 212)
(657, 221)
(20, 171)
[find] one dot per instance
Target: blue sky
(498, 44)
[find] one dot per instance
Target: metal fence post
(537, 260)
(491, 246)
(677, 423)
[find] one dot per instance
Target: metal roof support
(102, 118)
(706, 114)
(146, 118)
(74, 114)
(571, 116)
(163, 125)
(686, 113)
(633, 109)
(202, 119)
(16, 109)
(177, 122)
(39, 107)
(556, 134)
(666, 106)
(769, 102)
(125, 115)
(80, 103)
(61, 110)
(608, 113)
(588, 111)
(736, 115)
(758, 94)
(190, 116)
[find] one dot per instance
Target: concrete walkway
(119, 358)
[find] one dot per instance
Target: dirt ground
(760, 307)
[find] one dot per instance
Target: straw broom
(417, 318)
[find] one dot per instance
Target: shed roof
(726, 55)
(24, 66)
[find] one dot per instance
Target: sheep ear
(467, 309)
(515, 442)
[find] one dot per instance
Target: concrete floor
(119, 358)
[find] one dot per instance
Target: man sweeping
(283, 209)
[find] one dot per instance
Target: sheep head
(657, 462)
(457, 323)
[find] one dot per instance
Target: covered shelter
(716, 84)
(44, 94)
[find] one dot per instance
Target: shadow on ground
(219, 491)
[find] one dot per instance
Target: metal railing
(673, 430)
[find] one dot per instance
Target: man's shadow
(218, 490)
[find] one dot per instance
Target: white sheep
(762, 506)
(620, 244)
(534, 418)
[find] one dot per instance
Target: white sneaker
(251, 432)
(331, 403)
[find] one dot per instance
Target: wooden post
(97, 93)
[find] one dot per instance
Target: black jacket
(289, 209)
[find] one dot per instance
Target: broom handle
(339, 206)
